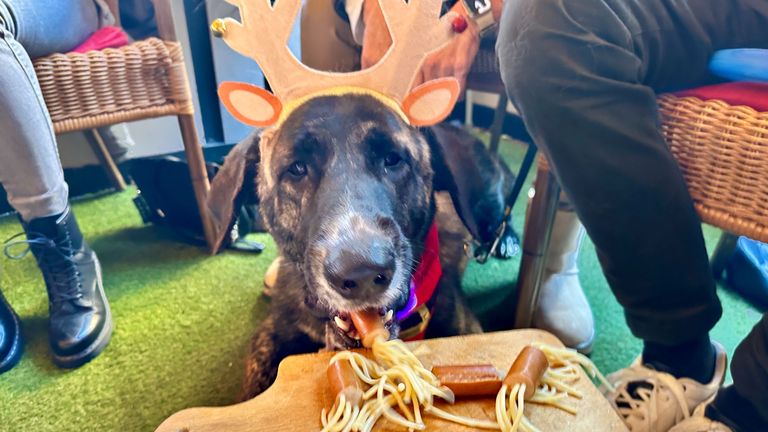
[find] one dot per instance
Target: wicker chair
(722, 151)
(145, 79)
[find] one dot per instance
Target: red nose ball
(459, 24)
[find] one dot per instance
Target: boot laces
(56, 261)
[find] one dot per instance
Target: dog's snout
(361, 270)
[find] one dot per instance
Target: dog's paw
(270, 277)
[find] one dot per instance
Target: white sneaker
(563, 309)
(653, 401)
(699, 422)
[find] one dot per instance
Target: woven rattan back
(723, 153)
(143, 80)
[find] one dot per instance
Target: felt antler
(416, 29)
(262, 34)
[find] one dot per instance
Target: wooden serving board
(300, 392)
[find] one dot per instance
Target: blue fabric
(747, 271)
(741, 64)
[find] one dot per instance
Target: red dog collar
(423, 284)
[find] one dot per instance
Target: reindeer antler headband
(416, 30)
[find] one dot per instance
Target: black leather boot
(80, 323)
(10, 336)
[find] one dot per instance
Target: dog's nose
(361, 271)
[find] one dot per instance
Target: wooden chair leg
(105, 158)
(198, 175)
(723, 252)
(538, 230)
(498, 122)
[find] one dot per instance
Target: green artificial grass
(184, 319)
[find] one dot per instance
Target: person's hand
(454, 60)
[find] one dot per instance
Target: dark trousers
(584, 75)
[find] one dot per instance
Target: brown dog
(347, 190)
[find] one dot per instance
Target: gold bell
(218, 28)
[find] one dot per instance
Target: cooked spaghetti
(400, 389)
(555, 387)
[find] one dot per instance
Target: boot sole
(101, 342)
(586, 346)
(14, 355)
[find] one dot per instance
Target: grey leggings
(30, 170)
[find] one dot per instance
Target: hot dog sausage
(369, 326)
(344, 380)
(528, 368)
(469, 380)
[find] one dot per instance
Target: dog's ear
(431, 102)
(233, 183)
(477, 182)
(250, 104)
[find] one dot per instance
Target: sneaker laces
(639, 392)
(60, 271)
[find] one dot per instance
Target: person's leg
(118, 140)
(30, 169)
(80, 323)
(583, 76)
(743, 406)
(746, 402)
(45, 27)
(326, 39)
(573, 72)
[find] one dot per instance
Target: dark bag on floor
(166, 198)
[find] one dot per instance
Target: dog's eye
(298, 169)
(392, 160)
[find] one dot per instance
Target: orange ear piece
(250, 104)
(431, 102)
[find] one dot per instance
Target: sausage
(528, 368)
(369, 326)
(344, 380)
(469, 380)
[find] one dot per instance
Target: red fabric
(753, 95)
(428, 273)
(106, 37)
